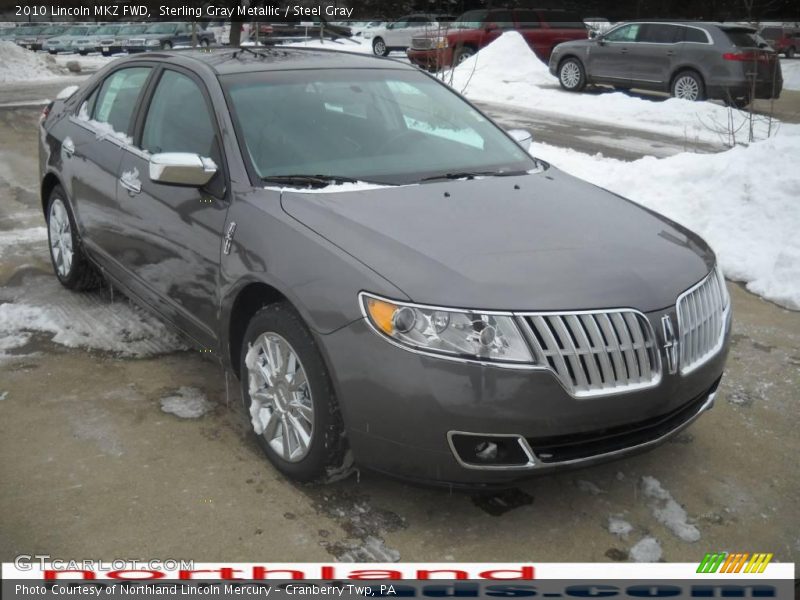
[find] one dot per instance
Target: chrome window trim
(709, 41)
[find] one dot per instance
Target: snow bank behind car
(19, 64)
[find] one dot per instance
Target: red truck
(542, 29)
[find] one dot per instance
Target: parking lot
(93, 465)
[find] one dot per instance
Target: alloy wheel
(379, 47)
(281, 408)
(60, 231)
(687, 88)
(570, 75)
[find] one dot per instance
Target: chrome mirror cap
(523, 137)
(181, 168)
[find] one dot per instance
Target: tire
(379, 47)
(70, 265)
(462, 54)
(204, 43)
(326, 456)
(166, 46)
(689, 86)
(572, 75)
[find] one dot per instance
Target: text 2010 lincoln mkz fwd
(393, 278)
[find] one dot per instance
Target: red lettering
(153, 574)
(261, 572)
(425, 574)
(51, 574)
(523, 573)
(375, 574)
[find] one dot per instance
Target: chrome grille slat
(701, 322)
(596, 352)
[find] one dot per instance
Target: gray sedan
(693, 61)
(396, 282)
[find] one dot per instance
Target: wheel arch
(49, 182)
(683, 69)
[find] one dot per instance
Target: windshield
(389, 126)
(54, 30)
(470, 20)
(162, 28)
(133, 29)
(78, 31)
(26, 31)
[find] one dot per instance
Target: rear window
(772, 33)
(742, 38)
(656, 33)
(527, 19)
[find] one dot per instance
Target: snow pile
(87, 320)
(102, 129)
(646, 550)
(186, 403)
(745, 202)
(507, 71)
(13, 239)
(19, 64)
(619, 526)
(791, 74)
(667, 511)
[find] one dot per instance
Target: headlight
(440, 42)
(448, 332)
(153, 42)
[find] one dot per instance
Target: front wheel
(462, 54)
(688, 85)
(167, 45)
(70, 265)
(204, 43)
(289, 398)
(379, 47)
(571, 75)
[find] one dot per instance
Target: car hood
(582, 43)
(544, 241)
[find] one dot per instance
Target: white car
(221, 31)
(397, 34)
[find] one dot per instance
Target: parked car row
(109, 38)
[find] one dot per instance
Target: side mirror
(523, 137)
(592, 34)
(181, 168)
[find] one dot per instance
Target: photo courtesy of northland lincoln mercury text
(346, 298)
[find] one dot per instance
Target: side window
(117, 98)
(626, 33)
(502, 18)
(692, 34)
(655, 33)
(527, 19)
(178, 119)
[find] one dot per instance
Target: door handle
(68, 146)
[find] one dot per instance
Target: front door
(654, 54)
(174, 233)
(608, 58)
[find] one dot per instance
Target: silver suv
(693, 61)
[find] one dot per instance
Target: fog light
(486, 451)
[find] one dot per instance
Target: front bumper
(402, 411)
(433, 59)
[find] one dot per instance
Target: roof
(224, 61)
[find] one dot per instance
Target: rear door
(608, 58)
(652, 58)
(92, 151)
(172, 235)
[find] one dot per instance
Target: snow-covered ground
(19, 65)
(745, 202)
(790, 67)
(508, 72)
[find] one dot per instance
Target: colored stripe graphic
(735, 562)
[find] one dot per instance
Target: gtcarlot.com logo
(734, 562)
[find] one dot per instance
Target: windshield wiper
(472, 175)
(315, 181)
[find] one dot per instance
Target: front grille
(135, 42)
(701, 321)
(565, 448)
(422, 43)
(597, 352)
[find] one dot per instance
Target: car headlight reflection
(450, 332)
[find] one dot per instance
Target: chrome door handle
(133, 187)
(68, 146)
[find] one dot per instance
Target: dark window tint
(692, 34)
(527, 19)
(626, 33)
(502, 18)
(742, 38)
(178, 119)
(657, 33)
(118, 96)
(562, 19)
